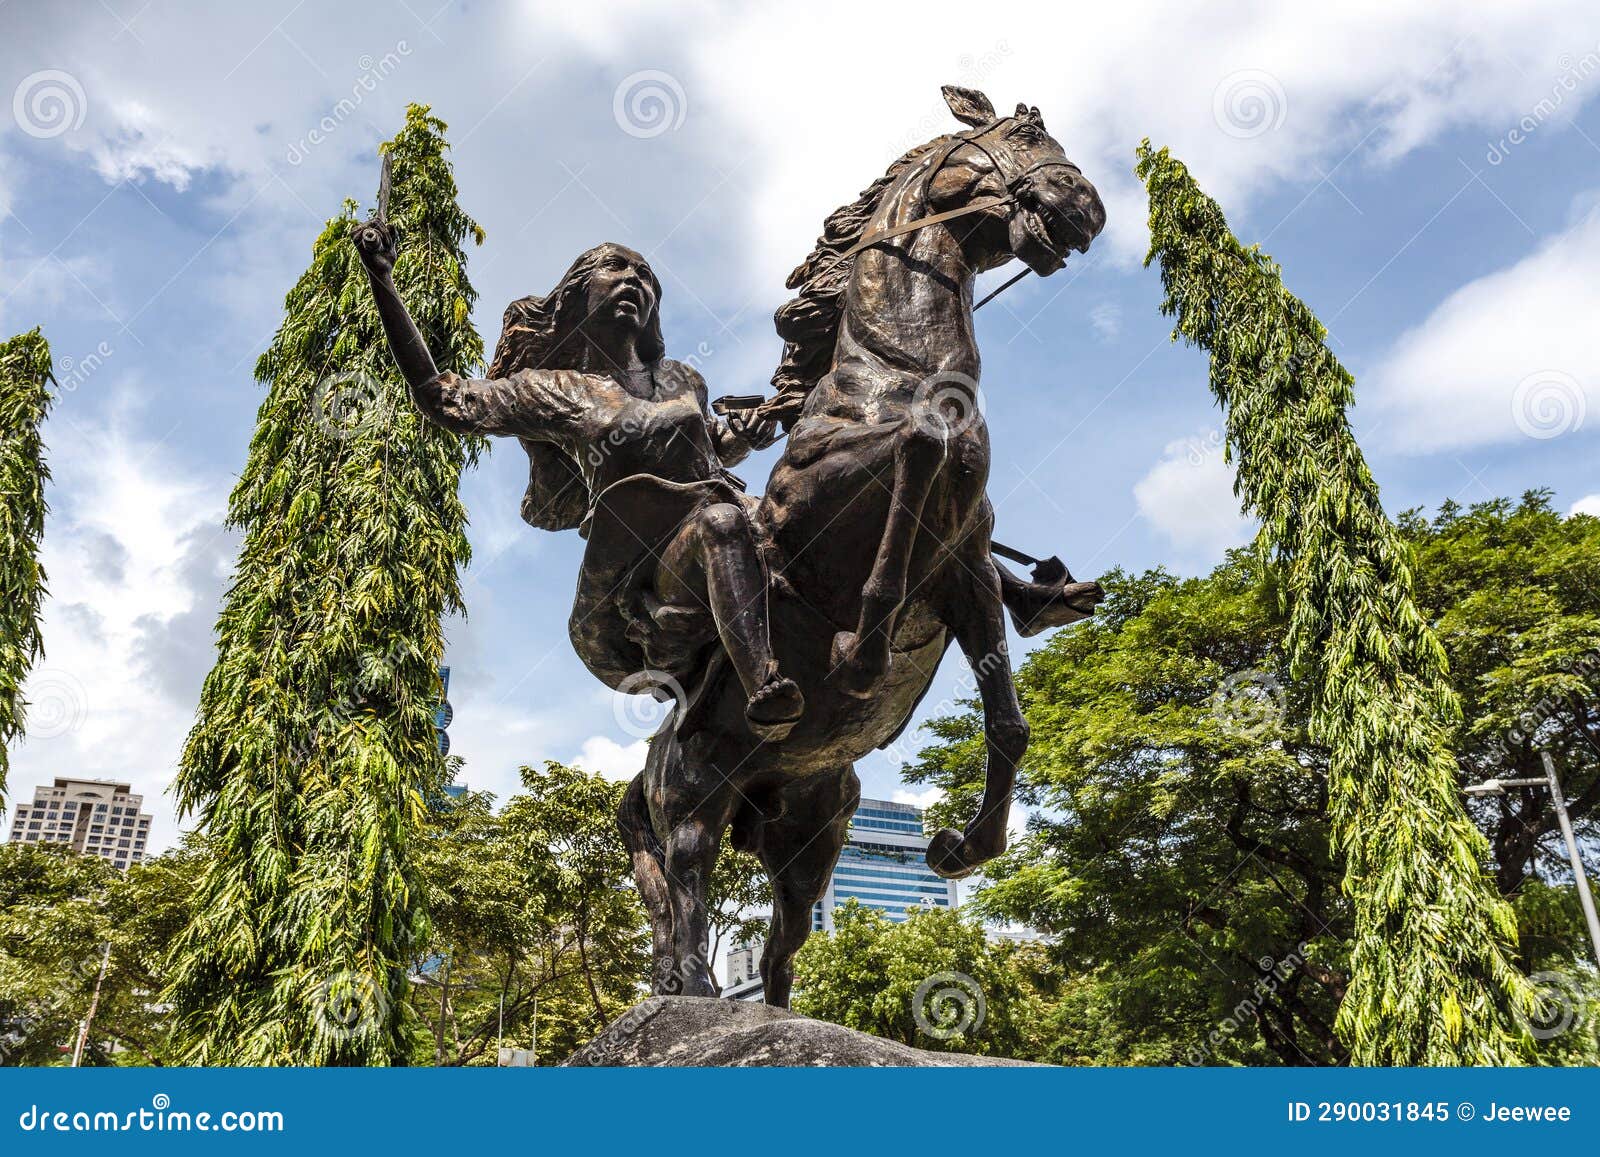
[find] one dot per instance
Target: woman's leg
(713, 562)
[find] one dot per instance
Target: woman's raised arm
(461, 405)
(376, 244)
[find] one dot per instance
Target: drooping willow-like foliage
(314, 751)
(1432, 982)
(24, 401)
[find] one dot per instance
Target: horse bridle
(973, 137)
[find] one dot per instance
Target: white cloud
(1511, 356)
(142, 146)
(495, 738)
(127, 527)
(789, 124)
(1188, 496)
(1107, 320)
(813, 125)
(923, 799)
(1589, 504)
(605, 756)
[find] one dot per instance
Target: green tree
(1180, 855)
(1431, 973)
(53, 930)
(738, 900)
(933, 981)
(63, 916)
(1514, 592)
(147, 910)
(536, 924)
(314, 749)
(24, 401)
(1180, 858)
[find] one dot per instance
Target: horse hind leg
(860, 658)
(649, 869)
(799, 860)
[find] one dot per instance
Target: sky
(1427, 175)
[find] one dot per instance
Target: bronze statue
(804, 626)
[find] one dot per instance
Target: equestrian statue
(797, 631)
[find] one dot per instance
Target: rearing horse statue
(801, 631)
(876, 534)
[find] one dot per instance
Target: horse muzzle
(1051, 218)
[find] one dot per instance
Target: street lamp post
(94, 1005)
(1550, 780)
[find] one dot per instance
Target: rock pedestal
(693, 1030)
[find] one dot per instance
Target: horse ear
(1022, 109)
(970, 106)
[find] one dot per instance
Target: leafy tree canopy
(934, 981)
(24, 400)
(314, 751)
(1180, 852)
(1431, 978)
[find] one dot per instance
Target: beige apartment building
(98, 817)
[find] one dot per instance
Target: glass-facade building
(882, 866)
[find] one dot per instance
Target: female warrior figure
(622, 445)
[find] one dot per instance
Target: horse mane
(808, 323)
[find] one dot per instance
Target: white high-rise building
(98, 817)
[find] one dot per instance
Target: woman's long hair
(545, 333)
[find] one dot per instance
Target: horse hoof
(853, 674)
(774, 710)
(944, 855)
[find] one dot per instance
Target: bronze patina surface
(800, 629)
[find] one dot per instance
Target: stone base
(694, 1030)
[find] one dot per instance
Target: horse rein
(973, 137)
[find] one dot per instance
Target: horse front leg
(860, 658)
(976, 615)
(695, 809)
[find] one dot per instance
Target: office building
(881, 866)
(744, 973)
(98, 817)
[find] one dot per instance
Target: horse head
(1044, 207)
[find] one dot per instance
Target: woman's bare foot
(774, 710)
